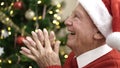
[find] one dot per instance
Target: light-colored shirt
(90, 56)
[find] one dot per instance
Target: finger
(52, 38)
(27, 43)
(40, 36)
(26, 50)
(28, 55)
(35, 52)
(32, 49)
(47, 41)
(30, 40)
(38, 43)
(56, 47)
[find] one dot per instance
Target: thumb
(56, 46)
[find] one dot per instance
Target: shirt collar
(90, 56)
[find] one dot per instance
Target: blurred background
(19, 17)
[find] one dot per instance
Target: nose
(68, 21)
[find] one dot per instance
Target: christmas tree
(17, 19)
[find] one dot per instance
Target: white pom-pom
(113, 40)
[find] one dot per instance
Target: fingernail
(24, 40)
(45, 29)
(32, 32)
(52, 32)
(59, 41)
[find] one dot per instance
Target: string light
(9, 33)
(3, 31)
(58, 27)
(9, 28)
(58, 18)
(50, 12)
(34, 18)
(30, 66)
(11, 12)
(65, 56)
(9, 61)
(12, 4)
(39, 2)
(36, 30)
(7, 19)
(57, 10)
(57, 23)
(55, 15)
(54, 21)
(1, 37)
(0, 61)
(40, 17)
(2, 3)
(62, 52)
(58, 5)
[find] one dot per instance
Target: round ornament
(20, 40)
(29, 14)
(18, 5)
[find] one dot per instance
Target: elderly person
(94, 37)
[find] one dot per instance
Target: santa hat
(106, 16)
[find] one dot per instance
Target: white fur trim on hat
(99, 14)
(113, 40)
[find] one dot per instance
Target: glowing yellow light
(57, 10)
(65, 56)
(9, 28)
(7, 19)
(11, 12)
(57, 23)
(58, 5)
(50, 12)
(2, 3)
(12, 4)
(1, 37)
(30, 66)
(55, 15)
(0, 61)
(9, 33)
(34, 18)
(54, 21)
(39, 2)
(36, 30)
(40, 17)
(58, 17)
(3, 31)
(9, 61)
(62, 52)
(58, 27)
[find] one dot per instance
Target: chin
(70, 44)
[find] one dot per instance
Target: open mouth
(71, 32)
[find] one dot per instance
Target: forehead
(79, 9)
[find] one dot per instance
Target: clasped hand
(42, 48)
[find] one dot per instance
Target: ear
(98, 36)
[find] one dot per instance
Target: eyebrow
(77, 12)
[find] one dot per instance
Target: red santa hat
(106, 16)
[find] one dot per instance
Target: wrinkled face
(81, 29)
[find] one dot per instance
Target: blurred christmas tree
(17, 19)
